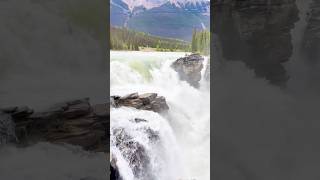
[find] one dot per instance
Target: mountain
(196, 6)
(166, 18)
(148, 4)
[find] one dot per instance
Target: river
(183, 151)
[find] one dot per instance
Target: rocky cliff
(133, 151)
(74, 122)
(256, 32)
(146, 101)
(189, 68)
(311, 39)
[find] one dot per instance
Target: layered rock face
(7, 129)
(147, 101)
(311, 40)
(256, 32)
(74, 122)
(132, 150)
(114, 171)
(189, 68)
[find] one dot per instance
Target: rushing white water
(183, 148)
(297, 67)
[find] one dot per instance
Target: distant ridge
(165, 18)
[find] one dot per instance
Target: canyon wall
(311, 39)
(257, 32)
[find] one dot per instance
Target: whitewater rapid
(183, 148)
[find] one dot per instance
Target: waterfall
(174, 145)
(297, 68)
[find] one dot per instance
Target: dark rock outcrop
(114, 170)
(73, 122)
(7, 129)
(134, 152)
(189, 68)
(256, 32)
(311, 40)
(147, 101)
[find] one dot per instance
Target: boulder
(189, 68)
(100, 110)
(7, 129)
(134, 153)
(21, 112)
(77, 109)
(138, 120)
(74, 122)
(147, 101)
(114, 171)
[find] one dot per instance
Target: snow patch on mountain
(148, 4)
(182, 3)
(119, 6)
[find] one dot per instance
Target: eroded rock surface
(114, 170)
(189, 68)
(74, 122)
(147, 101)
(257, 32)
(134, 152)
(7, 129)
(311, 40)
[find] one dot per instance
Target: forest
(200, 42)
(126, 39)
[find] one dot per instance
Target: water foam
(184, 148)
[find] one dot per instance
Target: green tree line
(127, 39)
(200, 42)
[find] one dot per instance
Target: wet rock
(311, 39)
(74, 122)
(152, 135)
(7, 129)
(114, 171)
(189, 68)
(77, 108)
(21, 112)
(113, 101)
(138, 120)
(257, 32)
(147, 98)
(147, 101)
(46, 115)
(8, 109)
(130, 96)
(101, 110)
(134, 153)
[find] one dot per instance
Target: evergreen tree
(200, 42)
(126, 39)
